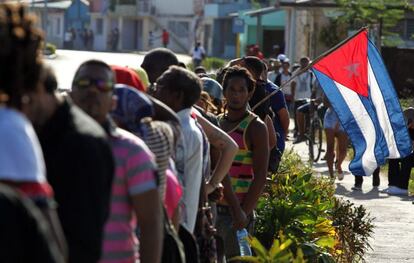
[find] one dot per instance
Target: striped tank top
(241, 171)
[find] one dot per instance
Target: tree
(380, 14)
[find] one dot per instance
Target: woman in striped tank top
(244, 184)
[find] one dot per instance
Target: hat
(281, 57)
(132, 107)
(212, 87)
(128, 77)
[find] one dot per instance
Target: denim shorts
(331, 120)
(228, 233)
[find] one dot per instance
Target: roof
(65, 4)
(54, 5)
(292, 3)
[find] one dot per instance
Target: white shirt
(21, 157)
(189, 166)
(303, 85)
(198, 54)
(287, 90)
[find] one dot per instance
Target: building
(218, 23)
(62, 16)
(135, 19)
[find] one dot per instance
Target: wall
(174, 7)
(55, 29)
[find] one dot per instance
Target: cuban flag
(357, 84)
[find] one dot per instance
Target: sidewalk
(393, 238)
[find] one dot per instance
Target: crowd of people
(131, 163)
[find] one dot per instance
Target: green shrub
(279, 252)
(210, 64)
(49, 49)
(304, 209)
(354, 227)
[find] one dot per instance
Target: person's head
(276, 65)
(178, 88)
(304, 62)
(181, 64)
(206, 103)
(157, 61)
(42, 100)
(92, 89)
(221, 72)
(238, 87)
(131, 108)
(286, 65)
(198, 44)
(200, 70)
(254, 65)
(20, 50)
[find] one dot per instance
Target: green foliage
(303, 207)
(279, 252)
(298, 204)
(49, 49)
(354, 227)
(210, 63)
(359, 13)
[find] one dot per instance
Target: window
(99, 26)
(58, 26)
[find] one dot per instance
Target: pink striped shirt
(134, 175)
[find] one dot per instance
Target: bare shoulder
(257, 128)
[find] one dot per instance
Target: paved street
(393, 239)
(67, 61)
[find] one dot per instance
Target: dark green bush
(303, 207)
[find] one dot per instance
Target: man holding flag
(357, 84)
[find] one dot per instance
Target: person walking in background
(333, 129)
(301, 91)
(165, 38)
(283, 77)
(198, 54)
(135, 199)
(399, 170)
(114, 39)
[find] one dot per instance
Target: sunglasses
(100, 84)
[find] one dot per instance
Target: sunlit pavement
(67, 61)
(393, 238)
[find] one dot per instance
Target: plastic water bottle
(242, 236)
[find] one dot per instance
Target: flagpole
(319, 58)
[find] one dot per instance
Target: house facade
(135, 19)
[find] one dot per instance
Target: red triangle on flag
(348, 65)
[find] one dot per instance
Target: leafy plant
(210, 63)
(279, 252)
(49, 49)
(303, 207)
(354, 228)
(358, 13)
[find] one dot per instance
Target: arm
(147, 208)
(226, 145)
(284, 119)
(271, 132)
(293, 88)
(260, 146)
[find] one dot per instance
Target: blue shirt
(277, 102)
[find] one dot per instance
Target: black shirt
(80, 169)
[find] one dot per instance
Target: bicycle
(314, 132)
